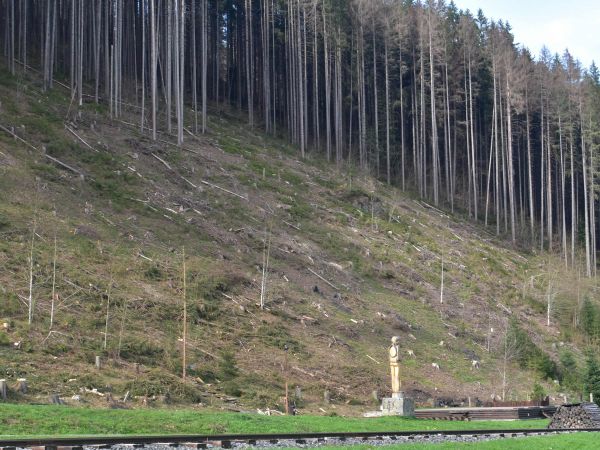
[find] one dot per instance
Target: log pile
(576, 416)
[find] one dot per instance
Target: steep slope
(351, 262)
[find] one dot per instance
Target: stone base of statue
(398, 405)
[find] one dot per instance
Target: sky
(572, 24)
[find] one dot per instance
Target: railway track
(268, 440)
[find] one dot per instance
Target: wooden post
(3, 389)
(98, 362)
(184, 362)
(591, 397)
(285, 369)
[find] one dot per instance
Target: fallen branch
(505, 308)
(373, 359)
(141, 255)
(55, 332)
(66, 166)
(292, 225)
(80, 138)
(51, 158)
(17, 137)
(303, 371)
(326, 281)
(189, 182)
(224, 190)
(91, 391)
(166, 164)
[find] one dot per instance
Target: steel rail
(74, 441)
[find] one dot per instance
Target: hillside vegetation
(351, 262)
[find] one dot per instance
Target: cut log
(576, 416)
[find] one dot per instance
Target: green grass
(580, 441)
(37, 420)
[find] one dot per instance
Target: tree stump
(98, 363)
(327, 397)
(56, 400)
(21, 386)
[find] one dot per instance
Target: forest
(436, 100)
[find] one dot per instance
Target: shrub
(160, 383)
(591, 379)
(228, 366)
(570, 373)
(538, 392)
(141, 351)
(529, 355)
(4, 223)
(590, 319)
(153, 273)
(231, 388)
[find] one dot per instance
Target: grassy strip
(40, 420)
(582, 441)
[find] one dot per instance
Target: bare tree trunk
(205, 64)
(30, 301)
(562, 191)
(588, 262)
(108, 292)
(434, 136)
(181, 70)
(402, 149)
(249, 73)
(327, 84)
(375, 102)
(53, 298)
(194, 67)
(184, 344)
(143, 18)
(153, 64)
(529, 173)
(509, 161)
(387, 114)
(168, 61)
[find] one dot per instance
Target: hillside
(351, 262)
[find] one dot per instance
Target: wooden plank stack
(576, 416)
(507, 413)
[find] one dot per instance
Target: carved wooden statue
(395, 365)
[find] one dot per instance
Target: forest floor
(352, 262)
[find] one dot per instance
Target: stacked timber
(509, 413)
(576, 416)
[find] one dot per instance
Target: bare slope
(351, 263)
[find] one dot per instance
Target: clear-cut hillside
(351, 262)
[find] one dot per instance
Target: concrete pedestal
(398, 405)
